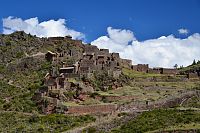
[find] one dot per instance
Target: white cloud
(49, 28)
(164, 51)
(120, 36)
(183, 31)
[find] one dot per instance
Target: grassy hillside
(160, 120)
(23, 122)
(191, 68)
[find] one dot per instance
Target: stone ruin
(194, 74)
(92, 59)
(140, 67)
(57, 81)
(59, 88)
(157, 70)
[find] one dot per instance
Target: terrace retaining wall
(91, 109)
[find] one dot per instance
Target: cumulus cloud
(183, 31)
(165, 51)
(50, 28)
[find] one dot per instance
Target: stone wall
(55, 38)
(168, 71)
(87, 63)
(165, 103)
(115, 56)
(192, 75)
(91, 109)
(84, 69)
(126, 63)
(115, 98)
(142, 67)
(112, 64)
(134, 67)
(90, 49)
(88, 56)
(104, 52)
(154, 70)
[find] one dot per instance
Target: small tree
(181, 67)
(194, 62)
(175, 66)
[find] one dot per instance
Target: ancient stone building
(126, 63)
(154, 70)
(140, 67)
(84, 70)
(168, 71)
(115, 56)
(50, 56)
(104, 52)
(85, 63)
(90, 49)
(69, 69)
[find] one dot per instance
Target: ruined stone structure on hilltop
(194, 74)
(91, 60)
(157, 70)
(84, 64)
(140, 67)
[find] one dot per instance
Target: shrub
(8, 43)
(19, 55)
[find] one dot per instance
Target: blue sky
(146, 18)
(160, 33)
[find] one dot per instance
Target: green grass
(70, 104)
(9, 90)
(150, 90)
(173, 85)
(16, 99)
(16, 122)
(90, 101)
(188, 68)
(134, 74)
(181, 127)
(19, 98)
(159, 120)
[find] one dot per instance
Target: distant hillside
(194, 67)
